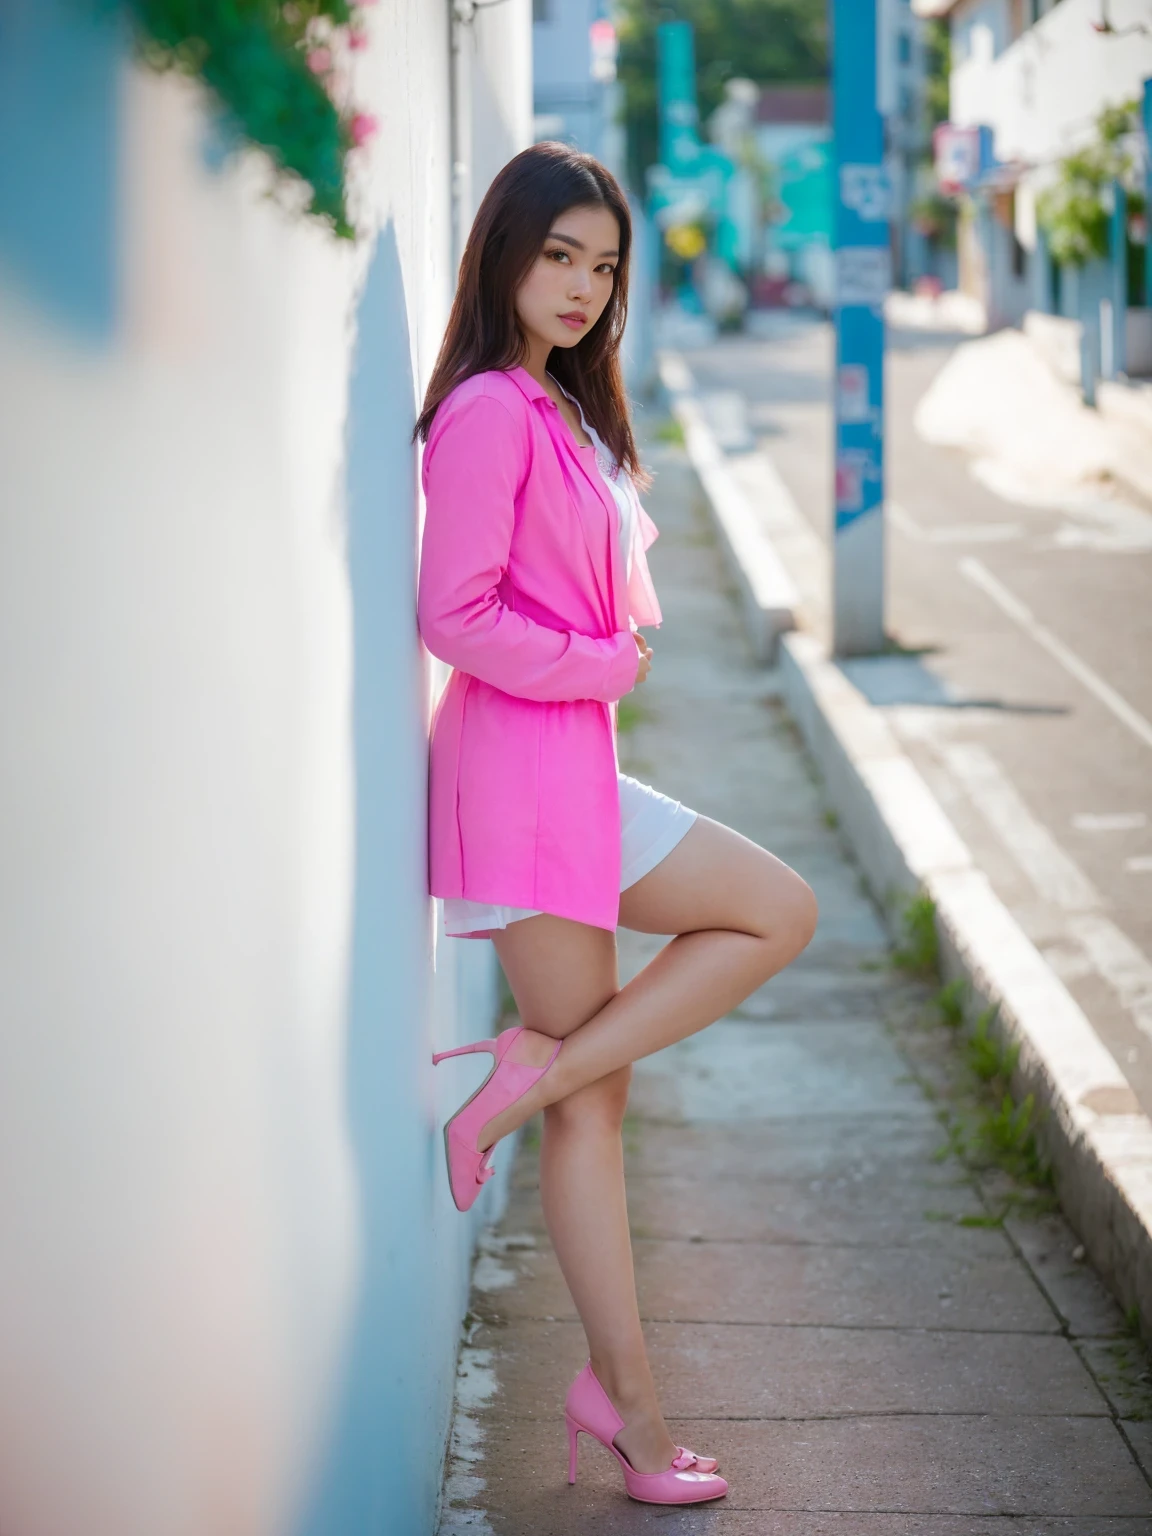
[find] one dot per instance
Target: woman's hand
(645, 656)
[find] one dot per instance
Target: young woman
(533, 585)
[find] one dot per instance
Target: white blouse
(616, 478)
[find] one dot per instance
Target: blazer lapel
(599, 520)
(598, 514)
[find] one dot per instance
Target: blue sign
(676, 85)
(863, 261)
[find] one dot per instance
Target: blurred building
(794, 138)
(577, 99)
(1029, 80)
(233, 1278)
(575, 94)
(901, 85)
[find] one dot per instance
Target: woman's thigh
(715, 878)
(561, 973)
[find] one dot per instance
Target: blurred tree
(1074, 210)
(271, 66)
(764, 40)
(938, 72)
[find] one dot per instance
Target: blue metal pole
(1119, 253)
(863, 277)
(1146, 113)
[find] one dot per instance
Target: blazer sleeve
(472, 468)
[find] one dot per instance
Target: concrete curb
(767, 593)
(1099, 1141)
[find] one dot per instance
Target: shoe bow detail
(690, 1479)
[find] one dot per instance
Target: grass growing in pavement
(987, 1126)
(950, 1003)
(919, 951)
(629, 715)
(1124, 1370)
(670, 431)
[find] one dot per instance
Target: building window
(903, 48)
(541, 10)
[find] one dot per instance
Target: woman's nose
(581, 284)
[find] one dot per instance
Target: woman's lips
(575, 319)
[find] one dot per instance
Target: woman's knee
(598, 1107)
(787, 914)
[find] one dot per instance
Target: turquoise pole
(1118, 244)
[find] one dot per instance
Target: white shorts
(651, 824)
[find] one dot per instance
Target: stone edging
(1099, 1141)
(767, 593)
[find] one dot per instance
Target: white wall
(569, 104)
(492, 75)
(1042, 93)
(232, 1275)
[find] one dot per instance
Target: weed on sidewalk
(967, 1069)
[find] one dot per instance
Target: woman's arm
(472, 468)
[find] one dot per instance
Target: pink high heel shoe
(690, 1479)
(468, 1167)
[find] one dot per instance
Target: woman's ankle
(631, 1389)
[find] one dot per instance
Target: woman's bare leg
(739, 916)
(560, 979)
(563, 976)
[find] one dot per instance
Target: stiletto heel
(468, 1167)
(464, 1050)
(691, 1479)
(573, 1437)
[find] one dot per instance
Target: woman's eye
(606, 267)
(558, 255)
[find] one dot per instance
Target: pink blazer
(523, 592)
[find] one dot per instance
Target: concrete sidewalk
(831, 1308)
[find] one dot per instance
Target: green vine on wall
(273, 65)
(1074, 211)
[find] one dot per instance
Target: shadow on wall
(383, 1466)
(61, 249)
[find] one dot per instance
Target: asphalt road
(1026, 693)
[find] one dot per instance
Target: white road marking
(975, 533)
(1124, 967)
(1109, 821)
(903, 520)
(1112, 527)
(1056, 876)
(1140, 727)
(952, 533)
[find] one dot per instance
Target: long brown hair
(508, 234)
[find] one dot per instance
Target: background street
(1050, 789)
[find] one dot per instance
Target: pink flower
(357, 38)
(364, 127)
(320, 60)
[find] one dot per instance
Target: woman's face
(571, 280)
